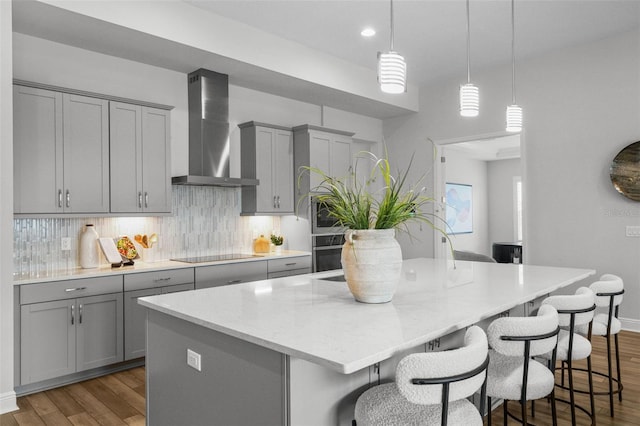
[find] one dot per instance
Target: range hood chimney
(209, 132)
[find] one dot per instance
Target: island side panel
(239, 383)
(324, 397)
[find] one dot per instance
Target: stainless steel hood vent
(209, 132)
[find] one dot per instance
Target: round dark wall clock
(625, 171)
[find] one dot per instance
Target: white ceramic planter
(372, 262)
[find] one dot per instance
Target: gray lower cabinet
(67, 336)
(135, 316)
(231, 273)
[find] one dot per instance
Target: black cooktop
(214, 258)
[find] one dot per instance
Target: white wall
(462, 169)
(581, 106)
(500, 176)
(7, 395)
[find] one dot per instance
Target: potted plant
(371, 256)
(277, 241)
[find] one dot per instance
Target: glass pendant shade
(469, 100)
(392, 72)
(514, 118)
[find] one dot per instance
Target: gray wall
(500, 176)
(462, 169)
(581, 106)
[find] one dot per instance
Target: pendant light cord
(513, 54)
(468, 46)
(391, 15)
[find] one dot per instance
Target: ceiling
(431, 34)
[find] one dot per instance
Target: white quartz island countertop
(318, 320)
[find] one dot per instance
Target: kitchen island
(299, 350)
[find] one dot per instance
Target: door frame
(440, 249)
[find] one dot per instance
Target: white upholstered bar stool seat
(405, 402)
(608, 291)
(574, 311)
(514, 341)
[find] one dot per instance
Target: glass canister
(261, 245)
(89, 247)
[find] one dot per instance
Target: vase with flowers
(371, 256)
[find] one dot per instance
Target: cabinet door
(86, 154)
(341, 157)
(135, 318)
(99, 331)
(125, 125)
(156, 165)
(37, 150)
(319, 158)
(47, 340)
(283, 171)
(265, 146)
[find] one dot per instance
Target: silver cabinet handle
(74, 289)
(140, 199)
(274, 202)
(234, 282)
(290, 264)
(278, 201)
(157, 280)
(80, 314)
(59, 197)
(73, 314)
(68, 198)
(146, 199)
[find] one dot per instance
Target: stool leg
(523, 409)
(489, 411)
(618, 368)
(610, 375)
(554, 414)
(571, 394)
(593, 405)
(505, 411)
(562, 373)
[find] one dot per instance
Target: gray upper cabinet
(61, 152)
(267, 155)
(140, 159)
(322, 148)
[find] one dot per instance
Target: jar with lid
(89, 247)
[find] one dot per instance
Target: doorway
(482, 177)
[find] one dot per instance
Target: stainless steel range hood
(209, 132)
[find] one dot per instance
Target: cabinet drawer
(70, 289)
(158, 279)
(289, 273)
(289, 263)
(234, 273)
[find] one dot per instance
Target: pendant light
(514, 112)
(392, 70)
(469, 96)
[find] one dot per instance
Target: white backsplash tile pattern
(204, 221)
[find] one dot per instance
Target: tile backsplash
(204, 221)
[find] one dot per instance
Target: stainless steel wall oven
(327, 249)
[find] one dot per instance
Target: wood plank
(125, 393)
(28, 418)
(83, 419)
(93, 406)
(7, 419)
(65, 403)
(55, 418)
(42, 404)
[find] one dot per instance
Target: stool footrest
(620, 387)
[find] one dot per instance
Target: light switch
(633, 231)
(193, 359)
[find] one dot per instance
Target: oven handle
(326, 248)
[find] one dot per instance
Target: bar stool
(512, 373)
(608, 291)
(573, 311)
(430, 388)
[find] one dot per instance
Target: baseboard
(630, 324)
(8, 402)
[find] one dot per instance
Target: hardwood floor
(119, 398)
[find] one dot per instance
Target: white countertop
(319, 321)
(140, 266)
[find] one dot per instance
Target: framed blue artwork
(459, 212)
